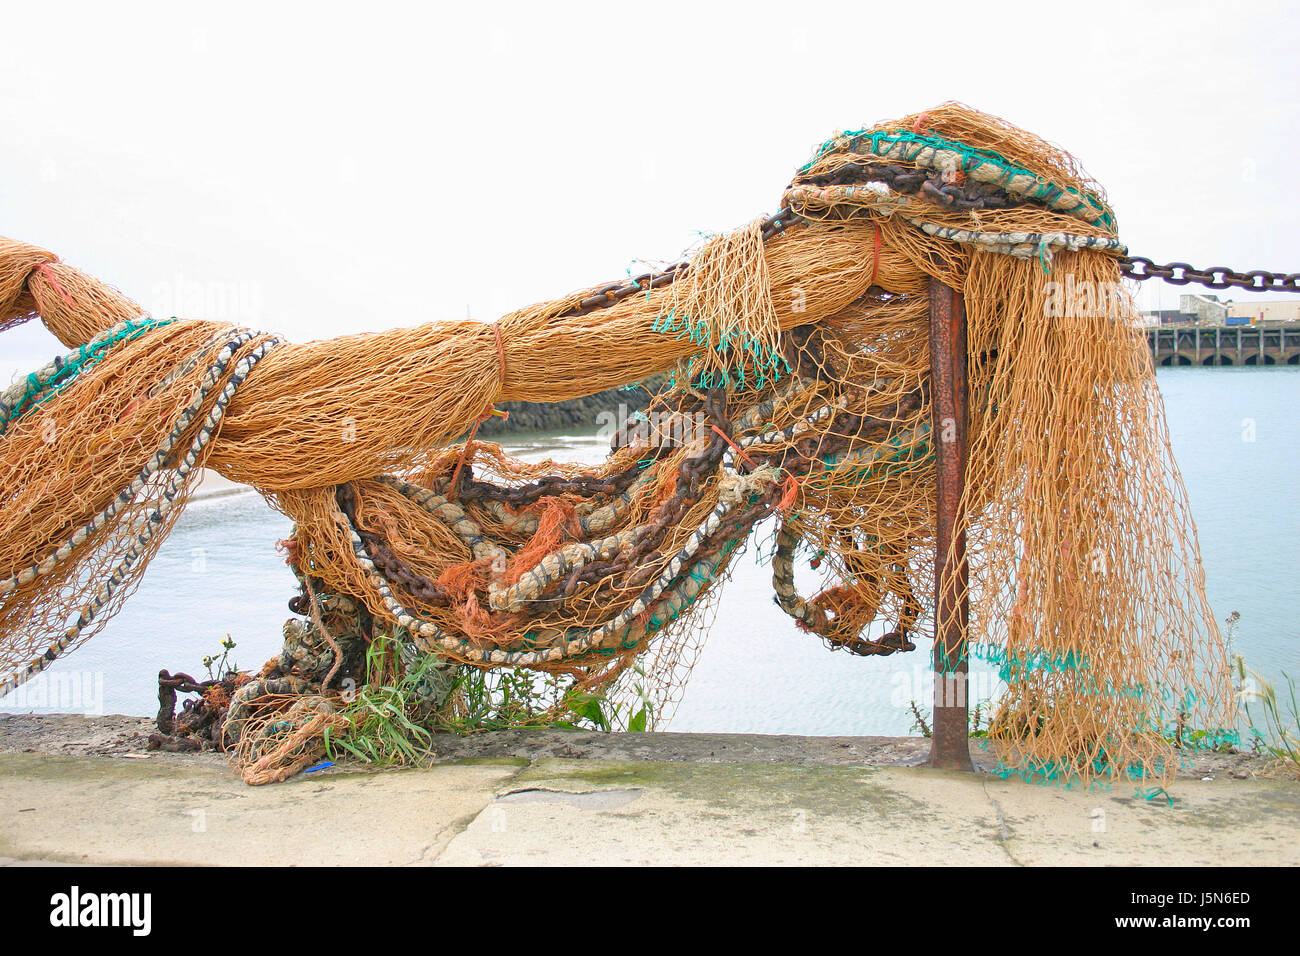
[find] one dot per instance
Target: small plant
(638, 721)
(1280, 737)
(979, 723)
(588, 707)
(393, 721)
(918, 722)
(497, 699)
(219, 668)
(383, 720)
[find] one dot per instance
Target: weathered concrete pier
(83, 790)
(1266, 344)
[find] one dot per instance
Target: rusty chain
(608, 295)
(1215, 277)
(1131, 267)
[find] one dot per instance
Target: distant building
(1204, 308)
(1211, 310)
(1281, 310)
(1167, 317)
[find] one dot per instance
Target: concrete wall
(1265, 311)
(1206, 308)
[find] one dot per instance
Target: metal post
(950, 743)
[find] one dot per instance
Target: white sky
(317, 170)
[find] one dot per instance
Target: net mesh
(798, 347)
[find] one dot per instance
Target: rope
(875, 253)
(324, 633)
(47, 381)
(155, 519)
(736, 448)
(980, 165)
(487, 412)
(817, 381)
(45, 270)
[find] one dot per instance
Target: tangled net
(800, 392)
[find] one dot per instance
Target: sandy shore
(212, 485)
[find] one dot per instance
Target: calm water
(1235, 432)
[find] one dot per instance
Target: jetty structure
(1262, 344)
(868, 371)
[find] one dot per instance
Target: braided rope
(739, 488)
(787, 540)
(1022, 245)
(155, 519)
(48, 380)
(592, 519)
(787, 596)
(878, 197)
(151, 468)
(668, 587)
(623, 631)
(982, 165)
(557, 564)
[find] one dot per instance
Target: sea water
(1235, 434)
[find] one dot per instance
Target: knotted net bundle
(800, 396)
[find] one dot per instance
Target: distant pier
(1225, 344)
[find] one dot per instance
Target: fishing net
(800, 396)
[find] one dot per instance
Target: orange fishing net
(801, 375)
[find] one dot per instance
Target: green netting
(971, 157)
(41, 389)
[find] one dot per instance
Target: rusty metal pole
(950, 743)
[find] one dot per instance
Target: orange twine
(875, 256)
(739, 451)
(501, 355)
(44, 270)
(487, 412)
(789, 492)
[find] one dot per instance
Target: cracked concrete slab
(594, 800)
(1210, 823)
(773, 815)
(726, 813)
(106, 811)
(510, 810)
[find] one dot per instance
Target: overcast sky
(316, 170)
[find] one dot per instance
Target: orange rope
(875, 257)
(487, 412)
(789, 492)
(44, 270)
(464, 450)
(739, 451)
(501, 355)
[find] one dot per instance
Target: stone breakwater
(574, 414)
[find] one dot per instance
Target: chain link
(1132, 267)
(1215, 277)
